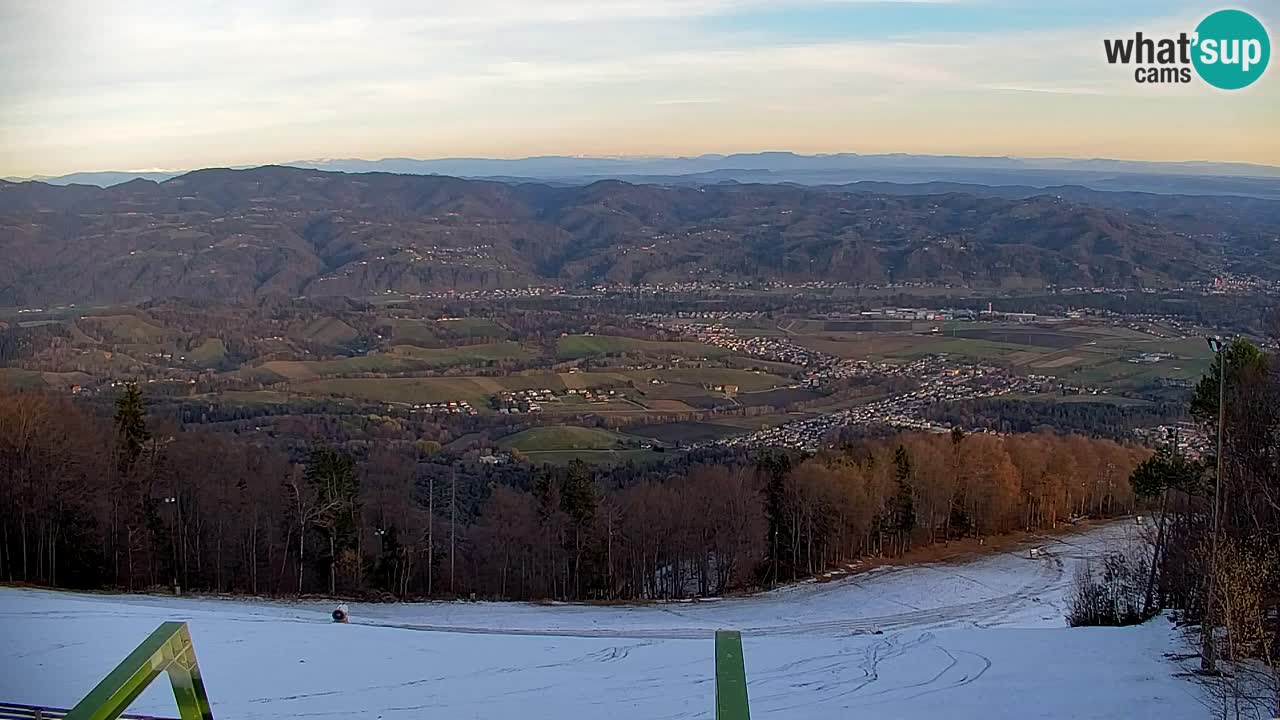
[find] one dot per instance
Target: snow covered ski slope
(984, 639)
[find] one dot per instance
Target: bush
(1114, 596)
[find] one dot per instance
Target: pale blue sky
(140, 84)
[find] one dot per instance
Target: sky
(182, 84)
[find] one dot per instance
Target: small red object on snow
(340, 613)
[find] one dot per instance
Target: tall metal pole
(453, 520)
(1208, 658)
(431, 530)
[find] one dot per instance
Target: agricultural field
(575, 347)
(329, 331)
(411, 332)
(677, 433)
(781, 397)
(303, 370)
(562, 444)
(405, 390)
(678, 383)
(18, 379)
(1094, 355)
(471, 328)
(397, 359)
(564, 437)
(210, 353)
(746, 380)
(122, 329)
(465, 354)
(441, 333)
(769, 366)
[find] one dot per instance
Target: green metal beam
(731, 677)
(168, 649)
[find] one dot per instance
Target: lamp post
(1208, 658)
(173, 536)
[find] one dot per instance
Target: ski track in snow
(983, 639)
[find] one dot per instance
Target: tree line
(1215, 555)
(1098, 418)
(135, 502)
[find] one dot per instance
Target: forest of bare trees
(131, 503)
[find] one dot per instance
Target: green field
(1125, 375)
(301, 370)
(574, 347)
(398, 359)
(17, 379)
(251, 397)
(769, 366)
(472, 327)
(565, 437)
(401, 390)
(441, 333)
(1093, 355)
(562, 444)
(123, 329)
(329, 331)
(685, 432)
(464, 355)
(412, 332)
(210, 353)
(480, 389)
(746, 380)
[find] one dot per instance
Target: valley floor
(984, 639)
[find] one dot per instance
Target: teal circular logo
(1231, 49)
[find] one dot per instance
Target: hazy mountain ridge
(839, 168)
(241, 234)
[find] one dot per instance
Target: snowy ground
(984, 639)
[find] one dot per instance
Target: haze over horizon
(339, 163)
(153, 85)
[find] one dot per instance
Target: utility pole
(453, 520)
(1208, 653)
(431, 528)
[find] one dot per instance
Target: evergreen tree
(776, 466)
(1242, 358)
(578, 500)
(904, 502)
(131, 428)
(1168, 469)
(578, 494)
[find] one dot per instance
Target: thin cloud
(687, 101)
(1051, 90)
(146, 83)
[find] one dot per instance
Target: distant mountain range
(1190, 178)
(242, 234)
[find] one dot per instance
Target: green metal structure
(731, 677)
(167, 650)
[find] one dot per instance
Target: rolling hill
(243, 234)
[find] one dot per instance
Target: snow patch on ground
(979, 640)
